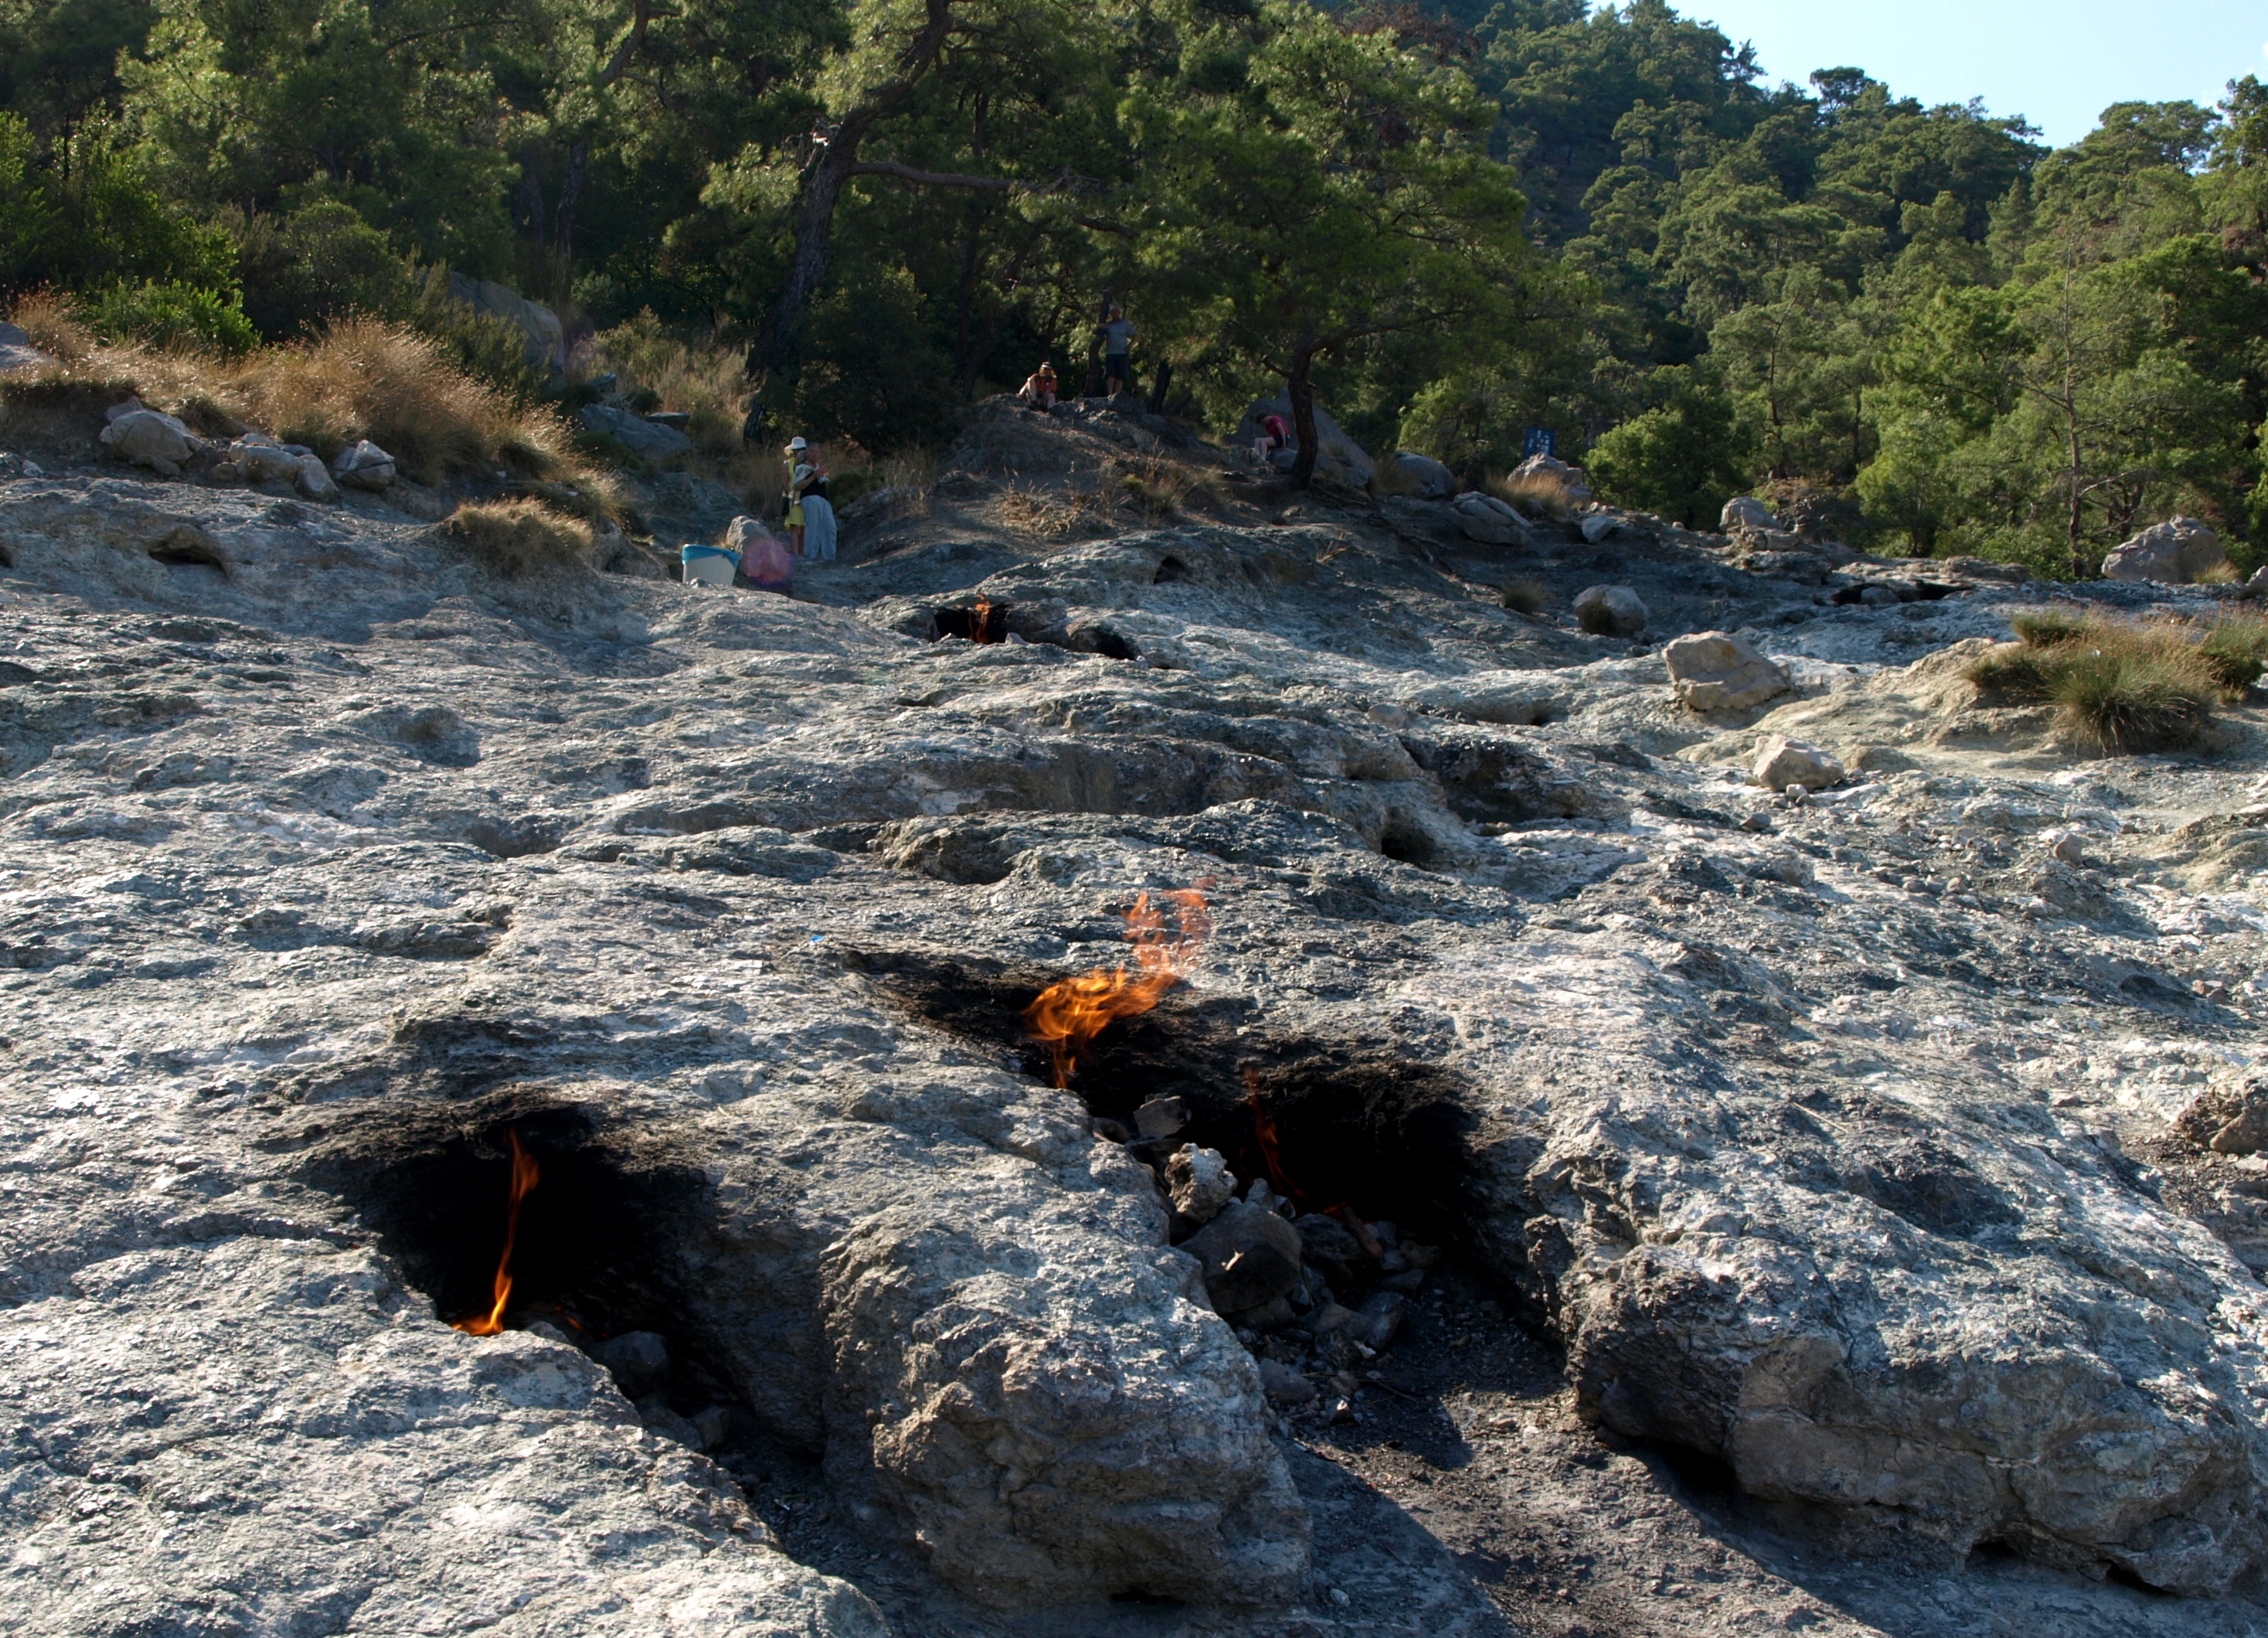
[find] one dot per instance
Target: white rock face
(1716, 671)
(321, 875)
(1744, 513)
(1611, 610)
(1782, 762)
(2177, 552)
(150, 438)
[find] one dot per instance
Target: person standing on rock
(818, 510)
(1118, 338)
(790, 500)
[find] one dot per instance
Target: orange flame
(523, 1179)
(980, 626)
(1264, 1129)
(1068, 1014)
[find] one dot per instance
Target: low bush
(1528, 597)
(1538, 494)
(172, 317)
(2120, 687)
(2236, 646)
(515, 539)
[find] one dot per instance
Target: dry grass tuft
(1050, 516)
(708, 380)
(2120, 687)
(516, 539)
(2236, 646)
(2222, 573)
(1388, 476)
(1528, 597)
(1539, 495)
(1159, 490)
(360, 379)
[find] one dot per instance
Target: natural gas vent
(981, 622)
(188, 551)
(444, 1187)
(1355, 1123)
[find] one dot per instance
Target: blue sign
(1541, 441)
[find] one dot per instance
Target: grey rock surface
(1717, 671)
(2177, 552)
(633, 434)
(150, 438)
(1433, 481)
(1490, 521)
(364, 465)
(1610, 611)
(1841, 1144)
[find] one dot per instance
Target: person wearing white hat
(790, 500)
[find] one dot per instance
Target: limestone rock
(544, 337)
(1717, 671)
(634, 435)
(151, 439)
(17, 353)
(1485, 519)
(1744, 513)
(314, 480)
(364, 465)
(1199, 1182)
(1571, 479)
(1431, 480)
(1782, 762)
(1338, 458)
(1611, 610)
(256, 458)
(1250, 1255)
(2231, 1119)
(2177, 552)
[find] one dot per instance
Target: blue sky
(2058, 62)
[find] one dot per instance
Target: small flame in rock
(1264, 1130)
(1068, 1014)
(523, 1179)
(980, 623)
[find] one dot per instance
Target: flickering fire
(1264, 1131)
(523, 1179)
(1068, 1014)
(980, 623)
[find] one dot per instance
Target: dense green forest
(1448, 222)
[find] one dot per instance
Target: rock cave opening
(983, 623)
(186, 551)
(1360, 1147)
(590, 1253)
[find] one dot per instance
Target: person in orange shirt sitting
(1038, 389)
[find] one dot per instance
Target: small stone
(1782, 762)
(1199, 1182)
(1161, 1118)
(316, 482)
(1284, 1385)
(638, 1360)
(1339, 1597)
(1342, 1411)
(713, 1423)
(1610, 611)
(1380, 1318)
(2066, 844)
(364, 465)
(1250, 1256)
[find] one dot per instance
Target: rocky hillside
(1577, 1187)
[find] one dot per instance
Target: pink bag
(765, 560)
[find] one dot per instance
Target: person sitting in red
(1274, 435)
(1038, 388)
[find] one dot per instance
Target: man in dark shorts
(1117, 336)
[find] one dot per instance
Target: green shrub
(2121, 687)
(2045, 628)
(1528, 597)
(2235, 647)
(1682, 459)
(173, 316)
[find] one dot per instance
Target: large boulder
(1337, 457)
(1610, 611)
(2177, 552)
(364, 465)
(1485, 519)
(1430, 480)
(633, 434)
(1718, 671)
(1745, 514)
(1572, 479)
(149, 438)
(545, 338)
(1782, 762)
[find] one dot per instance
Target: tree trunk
(1092, 386)
(531, 191)
(1164, 382)
(570, 191)
(1300, 386)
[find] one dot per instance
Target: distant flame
(1068, 1014)
(980, 623)
(523, 1179)
(1264, 1130)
